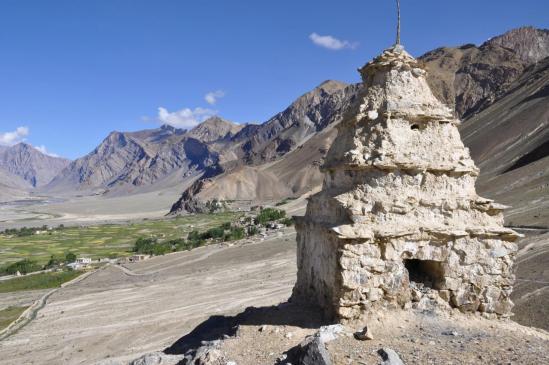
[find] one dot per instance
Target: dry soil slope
(531, 290)
(12, 187)
(293, 175)
(510, 143)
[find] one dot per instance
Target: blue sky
(72, 71)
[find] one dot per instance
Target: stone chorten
(398, 222)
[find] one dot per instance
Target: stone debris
(330, 333)
(157, 358)
(364, 334)
(450, 333)
(207, 354)
(390, 357)
(398, 222)
(314, 352)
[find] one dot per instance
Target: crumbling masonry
(398, 222)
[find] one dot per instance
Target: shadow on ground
(219, 327)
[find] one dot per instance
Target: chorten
(398, 222)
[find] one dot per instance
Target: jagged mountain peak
(213, 129)
(332, 85)
(530, 44)
(30, 164)
(172, 129)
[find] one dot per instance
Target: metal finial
(398, 22)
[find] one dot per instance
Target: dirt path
(114, 314)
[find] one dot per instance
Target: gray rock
(157, 358)
(389, 356)
(329, 333)
(365, 334)
(314, 352)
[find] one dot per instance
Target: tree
(53, 262)
(269, 215)
(70, 257)
(24, 266)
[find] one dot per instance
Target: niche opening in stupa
(427, 272)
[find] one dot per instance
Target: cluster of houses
(80, 263)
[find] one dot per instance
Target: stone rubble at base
(398, 222)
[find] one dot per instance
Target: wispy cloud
(184, 118)
(44, 150)
(11, 138)
(20, 135)
(329, 42)
(212, 97)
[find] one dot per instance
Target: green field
(9, 315)
(103, 240)
(45, 280)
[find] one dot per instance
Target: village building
(84, 260)
(137, 258)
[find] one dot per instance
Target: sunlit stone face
(398, 222)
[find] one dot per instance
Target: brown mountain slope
(279, 158)
(307, 115)
(470, 78)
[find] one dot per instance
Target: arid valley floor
(118, 312)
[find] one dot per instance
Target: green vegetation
(101, 241)
(224, 232)
(70, 257)
(287, 222)
(252, 230)
(229, 231)
(215, 206)
(44, 280)
(50, 248)
(269, 215)
(10, 314)
(24, 266)
(234, 234)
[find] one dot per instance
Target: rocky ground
(417, 338)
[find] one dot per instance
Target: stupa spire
(398, 23)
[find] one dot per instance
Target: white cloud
(327, 41)
(43, 149)
(211, 97)
(184, 118)
(11, 138)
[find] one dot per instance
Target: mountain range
(499, 89)
(24, 168)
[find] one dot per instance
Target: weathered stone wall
(398, 221)
(318, 267)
